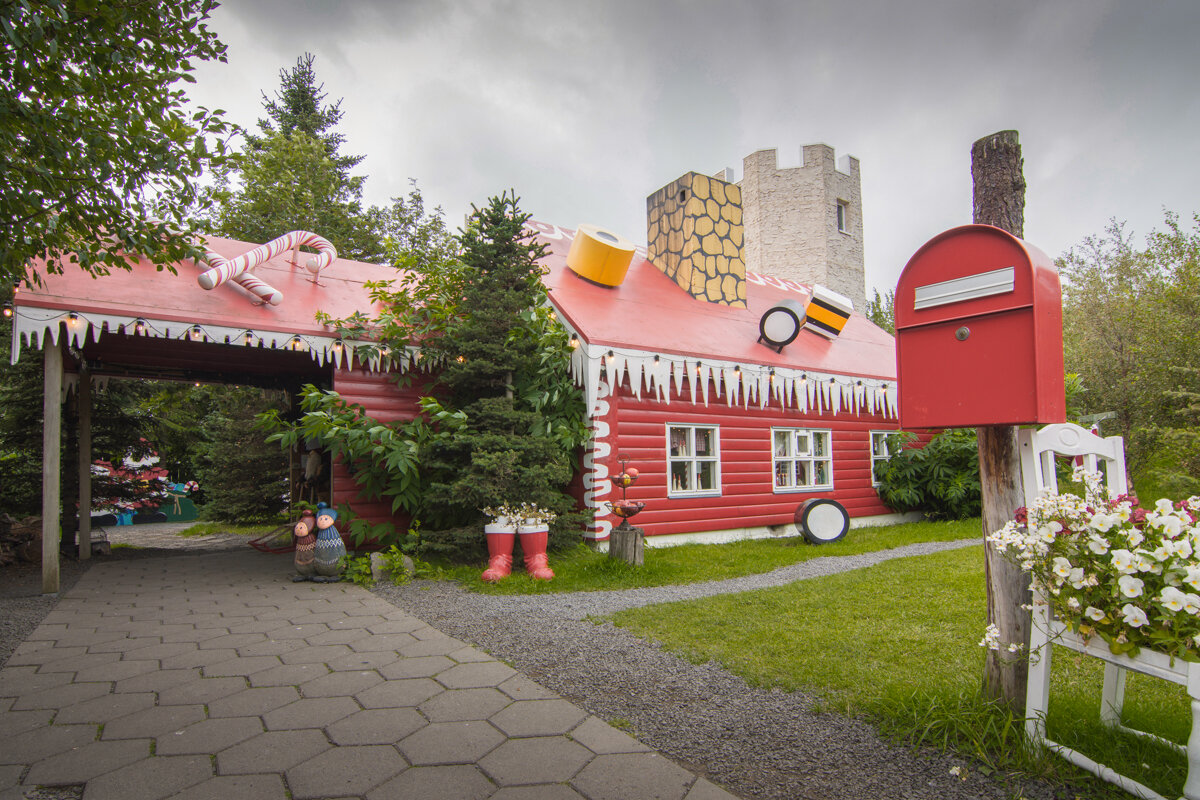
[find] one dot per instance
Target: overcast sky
(586, 108)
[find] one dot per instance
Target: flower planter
(1047, 631)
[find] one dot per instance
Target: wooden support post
(51, 463)
(85, 463)
(999, 199)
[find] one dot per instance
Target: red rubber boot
(534, 547)
(500, 547)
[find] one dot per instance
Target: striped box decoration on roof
(827, 312)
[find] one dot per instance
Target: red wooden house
(730, 434)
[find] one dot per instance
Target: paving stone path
(217, 677)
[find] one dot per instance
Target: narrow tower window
(843, 216)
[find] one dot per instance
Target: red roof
(152, 293)
(649, 312)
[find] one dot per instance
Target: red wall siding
(747, 498)
(383, 400)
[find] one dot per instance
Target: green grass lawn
(583, 569)
(209, 528)
(898, 643)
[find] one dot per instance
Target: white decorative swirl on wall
(596, 483)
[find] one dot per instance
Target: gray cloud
(585, 109)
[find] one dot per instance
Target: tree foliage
(291, 177)
(100, 156)
(882, 310)
(1131, 332)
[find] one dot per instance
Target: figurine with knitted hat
(328, 549)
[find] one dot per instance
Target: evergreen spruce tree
(493, 360)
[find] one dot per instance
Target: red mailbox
(979, 333)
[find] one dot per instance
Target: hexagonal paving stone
(418, 667)
(385, 641)
(705, 790)
(617, 777)
(366, 661)
(598, 736)
(431, 647)
(26, 680)
(102, 709)
(200, 690)
(151, 778)
(313, 655)
(451, 743)
(472, 676)
(199, 658)
(316, 712)
(115, 671)
(272, 647)
(460, 705)
(62, 696)
(344, 636)
(336, 684)
(349, 770)
(519, 687)
(14, 723)
(398, 694)
(403, 624)
(153, 722)
(242, 665)
(273, 751)
(162, 680)
(285, 632)
(208, 736)
(551, 791)
(545, 759)
(538, 718)
(376, 726)
(436, 783)
(253, 701)
(81, 764)
(224, 787)
(288, 674)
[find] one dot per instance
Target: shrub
(941, 479)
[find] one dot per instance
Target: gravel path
(757, 743)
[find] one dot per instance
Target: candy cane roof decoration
(238, 269)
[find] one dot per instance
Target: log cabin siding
(747, 497)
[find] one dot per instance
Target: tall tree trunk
(999, 200)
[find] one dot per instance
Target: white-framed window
(843, 216)
(802, 459)
(693, 460)
(879, 451)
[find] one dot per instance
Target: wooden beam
(999, 199)
(85, 463)
(51, 463)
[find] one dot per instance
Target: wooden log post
(85, 463)
(51, 462)
(627, 543)
(999, 199)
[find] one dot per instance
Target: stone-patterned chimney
(805, 223)
(694, 235)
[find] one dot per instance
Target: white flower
(1073, 603)
(1014, 648)
(1173, 599)
(1093, 613)
(1077, 578)
(1062, 567)
(1193, 576)
(1191, 603)
(991, 638)
(1182, 547)
(1163, 506)
(1098, 544)
(1164, 551)
(1130, 586)
(1133, 616)
(1103, 522)
(1134, 537)
(1122, 561)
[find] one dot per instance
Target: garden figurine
(330, 551)
(305, 534)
